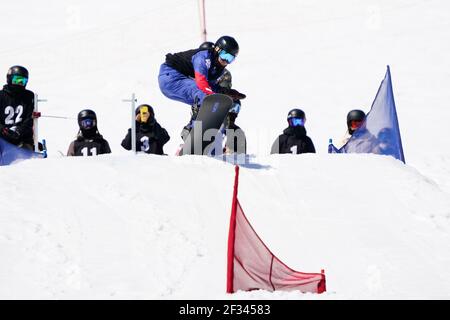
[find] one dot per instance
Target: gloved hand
(233, 94)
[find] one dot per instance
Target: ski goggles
(225, 56)
(355, 124)
(87, 124)
(296, 122)
(19, 80)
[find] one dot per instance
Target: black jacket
(293, 140)
(88, 146)
(150, 138)
(182, 62)
(16, 110)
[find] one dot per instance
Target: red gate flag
(252, 266)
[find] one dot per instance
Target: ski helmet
(228, 44)
(87, 119)
(354, 115)
(206, 45)
(296, 117)
(17, 75)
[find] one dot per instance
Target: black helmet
(228, 44)
(355, 115)
(17, 71)
(296, 114)
(206, 45)
(87, 119)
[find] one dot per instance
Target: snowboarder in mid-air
(191, 75)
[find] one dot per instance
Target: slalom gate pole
(231, 234)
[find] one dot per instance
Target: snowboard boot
(187, 128)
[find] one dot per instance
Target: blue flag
(10, 153)
(379, 133)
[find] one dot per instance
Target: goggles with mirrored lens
(296, 122)
(225, 56)
(355, 124)
(19, 80)
(87, 124)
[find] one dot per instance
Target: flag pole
(202, 19)
(231, 234)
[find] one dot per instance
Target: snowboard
(212, 113)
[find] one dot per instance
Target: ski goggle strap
(296, 122)
(19, 80)
(228, 57)
(87, 123)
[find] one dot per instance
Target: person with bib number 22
(16, 109)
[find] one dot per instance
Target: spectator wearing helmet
(16, 109)
(363, 140)
(294, 139)
(89, 141)
(150, 136)
(191, 75)
(355, 119)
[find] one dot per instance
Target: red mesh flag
(251, 265)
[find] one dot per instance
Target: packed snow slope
(148, 227)
(125, 226)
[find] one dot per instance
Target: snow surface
(121, 226)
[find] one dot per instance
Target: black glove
(233, 94)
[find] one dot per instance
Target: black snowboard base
(201, 139)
